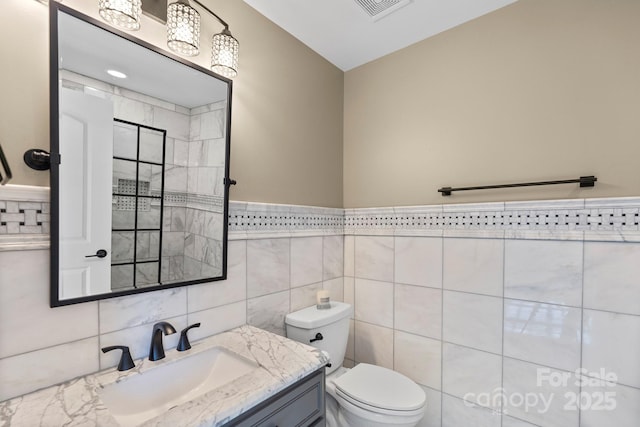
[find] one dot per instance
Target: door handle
(100, 253)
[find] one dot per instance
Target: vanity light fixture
(121, 13)
(183, 28)
(183, 37)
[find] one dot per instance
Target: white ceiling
(345, 34)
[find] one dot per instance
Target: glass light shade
(224, 54)
(121, 13)
(183, 29)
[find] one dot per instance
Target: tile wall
(476, 303)
(485, 305)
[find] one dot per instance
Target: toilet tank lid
(311, 317)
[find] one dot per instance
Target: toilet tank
(332, 323)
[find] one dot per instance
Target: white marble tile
(532, 394)
(418, 261)
(419, 358)
(267, 266)
(615, 406)
(268, 312)
(304, 296)
(350, 353)
(474, 265)
(432, 413)
(134, 310)
(214, 294)
(545, 271)
(32, 371)
(333, 257)
(374, 302)
(176, 124)
(508, 421)
(546, 334)
(138, 339)
(374, 258)
(418, 310)
(217, 320)
(373, 344)
(457, 413)
(612, 342)
(472, 375)
(473, 320)
(335, 288)
(27, 322)
(306, 261)
(350, 292)
(611, 277)
(349, 255)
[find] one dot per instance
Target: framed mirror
(139, 164)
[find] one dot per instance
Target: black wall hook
(37, 159)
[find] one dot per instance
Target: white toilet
(365, 396)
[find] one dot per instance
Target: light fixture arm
(226, 26)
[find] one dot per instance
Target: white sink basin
(146, 395)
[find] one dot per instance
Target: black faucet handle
(126, 362)
(184, 343)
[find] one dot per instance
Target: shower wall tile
(332, 257)
(418, 261)
(306, 261)
(176, 124)
(545, 271)
(610, 342)
(350, 292)
(268, 265)
(374, 258)
(546, 334)
(474, 265)
(471, 375)
(611, 277)
(374, 302)
(458, 413)
(473, 321)
(418, 310)
(418, 358)
(373, 344)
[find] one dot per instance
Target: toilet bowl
(366, 395)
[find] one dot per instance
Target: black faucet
(126, 362)
(184, 343)
(156, 351)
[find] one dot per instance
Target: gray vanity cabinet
(299, 405)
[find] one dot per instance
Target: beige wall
(286, 133)
(541, 89)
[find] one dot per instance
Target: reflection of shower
(137, 206)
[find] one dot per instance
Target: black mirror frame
(55, 301)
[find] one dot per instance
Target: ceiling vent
(378, 9)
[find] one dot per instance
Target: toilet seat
(380, 390)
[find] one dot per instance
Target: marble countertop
(281, 363)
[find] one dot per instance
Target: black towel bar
(584, 181)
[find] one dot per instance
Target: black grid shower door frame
(137, 196)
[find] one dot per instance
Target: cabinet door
(300, 405)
